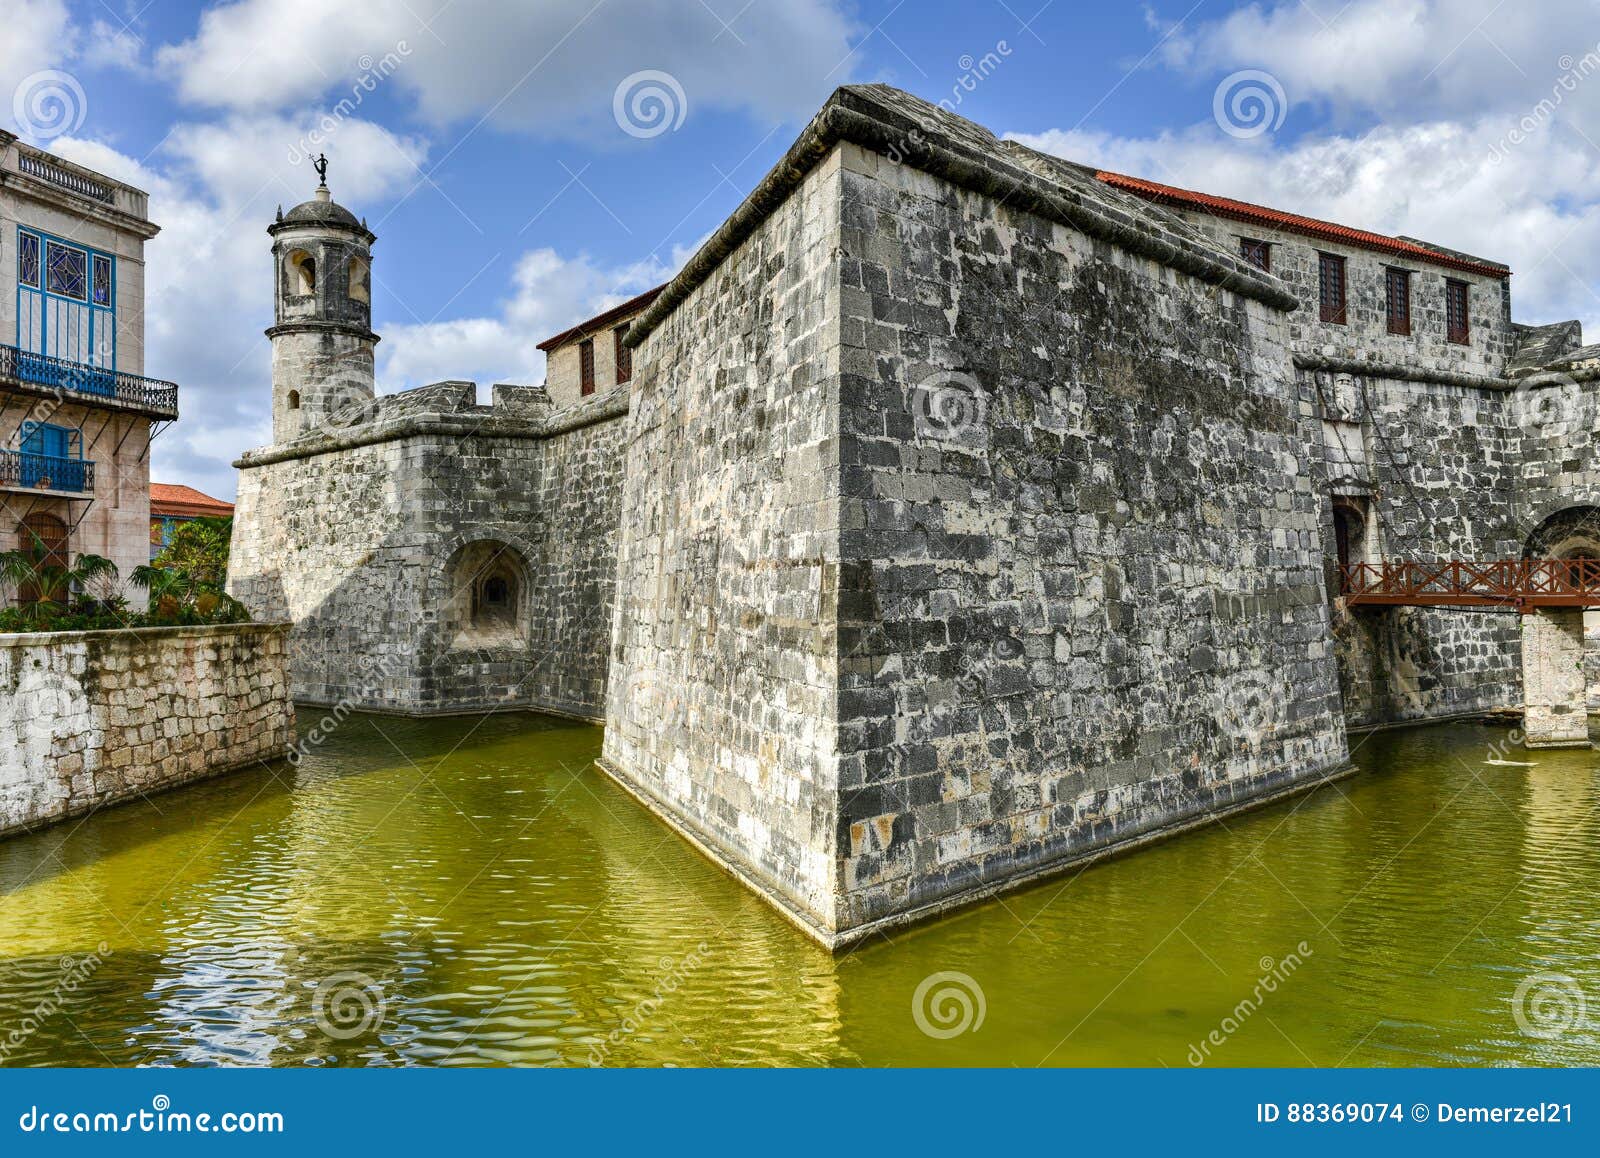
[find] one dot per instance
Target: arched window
(360, 287)
(294, 400)
(43, 538)
(302, 269)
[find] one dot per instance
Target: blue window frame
(66, 303)
(49, 439)
(28, 259)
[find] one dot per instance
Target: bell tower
(322, 339)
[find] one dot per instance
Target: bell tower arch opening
(322, 339)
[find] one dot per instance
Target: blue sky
(511, 200)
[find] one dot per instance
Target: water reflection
(473, 892)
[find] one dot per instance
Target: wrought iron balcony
(22, 469)
(87, 383)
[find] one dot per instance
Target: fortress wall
(364, 547)
(1437, 466)
(723, 678)
(1081, 578)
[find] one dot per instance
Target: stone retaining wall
(95, 717)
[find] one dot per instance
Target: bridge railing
(1509, 583)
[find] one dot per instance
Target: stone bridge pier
(1555, 690)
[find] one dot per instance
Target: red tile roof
(1295, 223)
(174, 499)
(602, 321)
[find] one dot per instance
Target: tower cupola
(322, 339)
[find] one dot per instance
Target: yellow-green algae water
(475, 892)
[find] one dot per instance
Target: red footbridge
(1514, 585)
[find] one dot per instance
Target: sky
(527, 164)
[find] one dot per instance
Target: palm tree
(44, 585)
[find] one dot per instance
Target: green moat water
(511, 905)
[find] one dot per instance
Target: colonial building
(76, 412)
(173, 504)
(960, 513)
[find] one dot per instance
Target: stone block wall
(1081, 562)
(721, 707)
(92, 718)
(365, 539)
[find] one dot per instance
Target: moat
(511, 905)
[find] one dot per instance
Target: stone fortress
(955, 514)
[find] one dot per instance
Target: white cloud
(1533, 210)
(1403, 60)
(214, 189)
(110, 46)
(549, 67)
(36, 36)
(549, 293)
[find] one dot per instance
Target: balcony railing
(36, 166)
(88, 382)
(45, 472)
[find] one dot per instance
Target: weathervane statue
(321, 166)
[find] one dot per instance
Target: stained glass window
(28, 259)
(102, 281)
(66, 271)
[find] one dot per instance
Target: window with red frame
(1399, 300)
(586, 367)
(1330, 280)
(624, 355)
(1257, 253)
(1455, 312)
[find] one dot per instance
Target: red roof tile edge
(600, 321)
(1295, 223)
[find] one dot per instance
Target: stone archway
(486, 597)
(1570, 533)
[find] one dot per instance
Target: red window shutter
(1330, 277)
(1399, 300)
(586, 367)
(1455, 310)
(624, 355)
(1257, 253)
